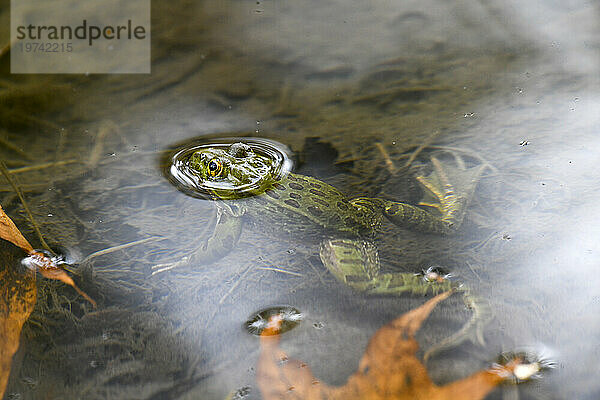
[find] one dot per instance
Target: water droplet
(318, 325)
(288, 316)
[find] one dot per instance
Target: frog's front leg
(356, 264)
(227, 230)
(225, 235)
(448, 190)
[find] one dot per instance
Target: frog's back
(298, 202)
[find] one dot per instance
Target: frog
(303, 204)
(243, 185)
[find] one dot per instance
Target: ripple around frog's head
(229, 168)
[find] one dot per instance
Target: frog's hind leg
(356, 264)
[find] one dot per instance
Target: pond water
(363, 94)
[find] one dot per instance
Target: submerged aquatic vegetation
(389, 369)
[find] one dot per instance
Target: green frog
(303, 205)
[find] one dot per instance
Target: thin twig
(317, 273)
(5, 49)
(6, 174)
(11, 146)
(30, 168)
(235, 285)
(386, 156)
(419, 149)
(280, 270)
(119, 247)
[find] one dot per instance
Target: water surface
(511, 83)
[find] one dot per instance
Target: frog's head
(234, 166)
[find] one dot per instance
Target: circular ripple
(288, 317)
(190, 182)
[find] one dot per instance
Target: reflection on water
(514, 84)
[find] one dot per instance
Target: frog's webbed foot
(353, 262)
(224, 237)
(449, 189)
(471, 331)
(356, 264)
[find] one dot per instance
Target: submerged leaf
(389, 369)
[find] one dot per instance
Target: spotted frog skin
(302, 204)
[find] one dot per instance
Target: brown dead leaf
(8, 231)
(388, 370)
(18, 294)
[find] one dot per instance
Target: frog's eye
(215, 167)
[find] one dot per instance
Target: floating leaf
(18, 294)
(389, 369)
(9, 231)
